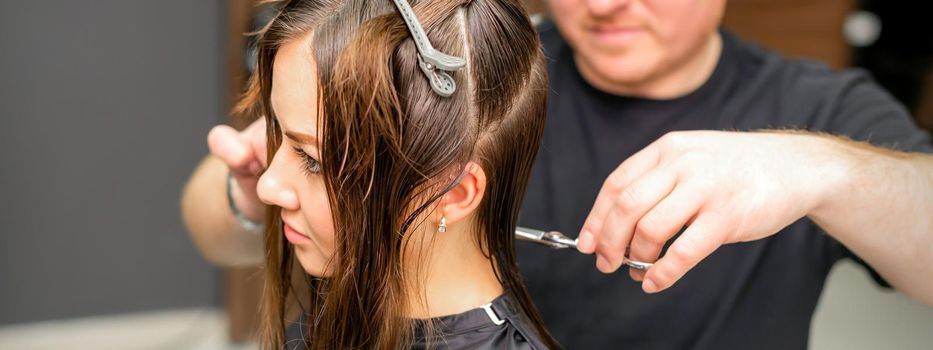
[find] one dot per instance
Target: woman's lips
(295, 237)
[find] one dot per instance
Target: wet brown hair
(390, 147)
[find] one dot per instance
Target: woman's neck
(455, 276)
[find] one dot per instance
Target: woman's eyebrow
(298, 137)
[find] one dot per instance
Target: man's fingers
(698, 241)
(661, 223)
(631, 169)
(255, 135)
(224, 142)
(628, 207)
(230, 146)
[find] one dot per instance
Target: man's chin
(606, 73)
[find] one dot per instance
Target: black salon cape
(756, 295)
(473, 329)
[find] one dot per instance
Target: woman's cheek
(323, 227)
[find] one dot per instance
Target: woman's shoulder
(500, 324)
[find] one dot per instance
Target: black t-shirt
(758, 295)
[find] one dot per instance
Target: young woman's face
(293, 180)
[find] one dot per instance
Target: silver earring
(442, 227)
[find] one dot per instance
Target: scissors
(557, 240)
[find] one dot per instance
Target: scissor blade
(557, 240)
(541, 237)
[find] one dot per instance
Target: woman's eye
(311, 165)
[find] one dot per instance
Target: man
(627, 78)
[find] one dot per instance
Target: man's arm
(731, 187)
(883, 212)
(205, 205)
(211, 224)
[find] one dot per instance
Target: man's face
(632, 42)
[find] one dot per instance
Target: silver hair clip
(434, 64)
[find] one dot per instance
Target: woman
(393, 182)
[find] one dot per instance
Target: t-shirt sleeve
(865, 112)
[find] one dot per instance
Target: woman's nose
(273, 189)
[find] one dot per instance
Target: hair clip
(433, 63)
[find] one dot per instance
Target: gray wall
(104, 108)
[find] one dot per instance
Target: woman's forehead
(294, 85)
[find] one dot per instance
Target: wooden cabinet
(242, 287)
(796, 28)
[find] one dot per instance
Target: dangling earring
(442, 227)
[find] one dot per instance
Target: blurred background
(105, 107)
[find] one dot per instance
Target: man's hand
(214, 229)
(244, 152)
(725, 187)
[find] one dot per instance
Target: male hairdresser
(744, 225)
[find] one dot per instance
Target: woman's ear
(460, 202)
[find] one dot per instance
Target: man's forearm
(882, 210)
(211, 224)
